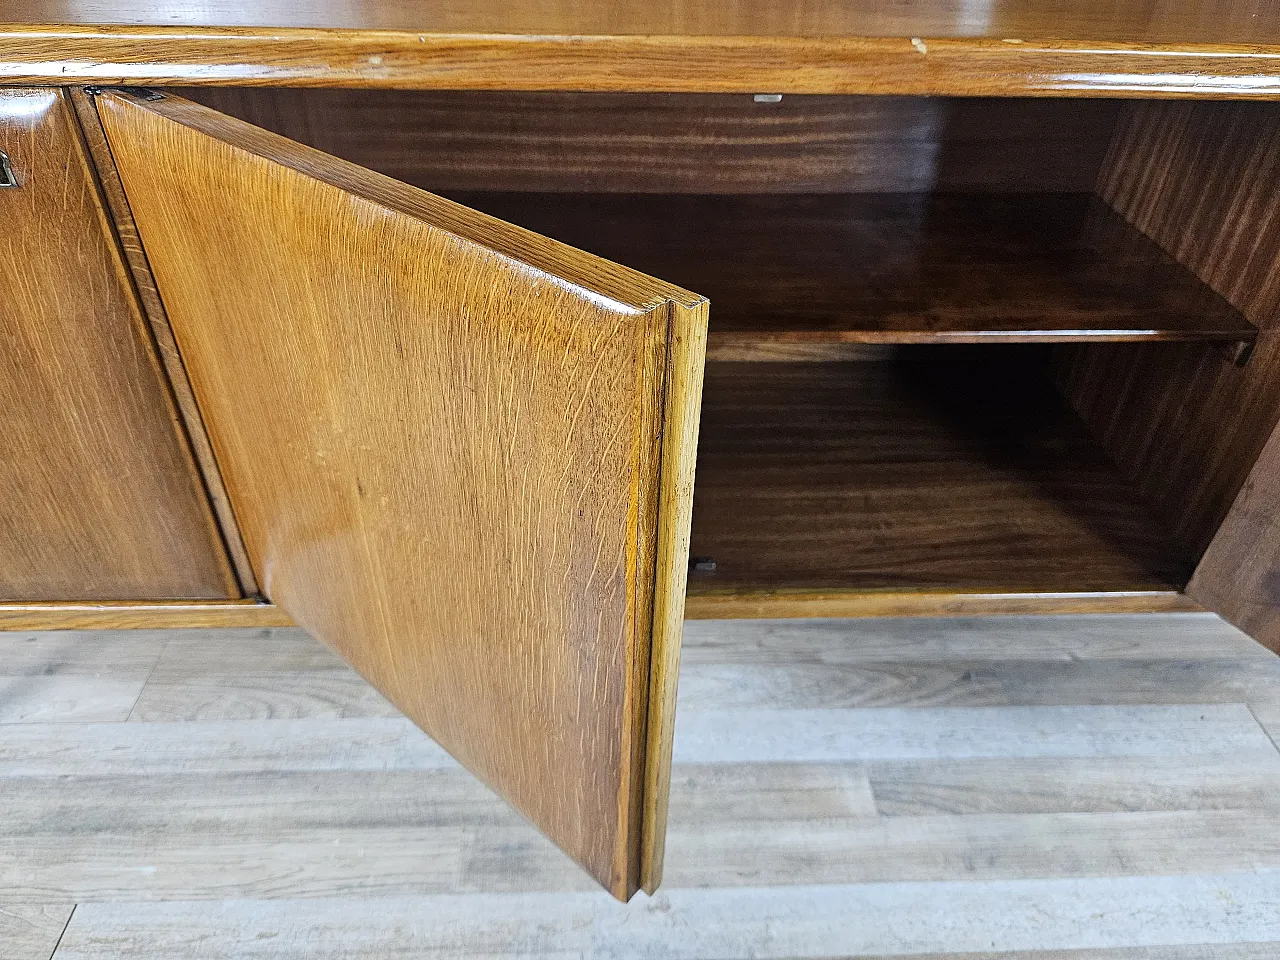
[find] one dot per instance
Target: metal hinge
(7, 178)
(142, 93)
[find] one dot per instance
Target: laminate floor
(1057, 788)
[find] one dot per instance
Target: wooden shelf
(913, 484)
(893, 268)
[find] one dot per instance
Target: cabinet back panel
(690, 143)
(99, 497)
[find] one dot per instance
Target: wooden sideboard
(488, 342)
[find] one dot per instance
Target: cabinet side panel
(99, 496)
(1179, 420)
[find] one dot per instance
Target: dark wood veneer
(894, 268)
(956, 469)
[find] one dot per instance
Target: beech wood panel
(1135, 53)
(447, 443)
(954, 473)
(99, 497)
(896, 268)
(1182, 423)
(690, 143)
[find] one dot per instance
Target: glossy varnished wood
(1239, 574)
(761, 602)
(1184, 424)
(149, 300)
(140, 616)
(893, 268)
(941, 47)
(691, 143)
(99, 497)
(909, 486)
(1119, 21)
(447, 443)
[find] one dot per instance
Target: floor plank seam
(58, 942)
(150, 673)
(1253, 713)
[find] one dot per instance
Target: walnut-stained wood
(691, 143)
(903, 485)
(449, 447)
(893, 268)
(149, 300)
(99, 497)
(1185, 425)
(1239, 575)
(945, 47)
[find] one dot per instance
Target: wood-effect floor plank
(30, 931)
(115, 654)
(949, 919)
(140, 749)
(66, 699)
(902, 639)
(835, 736)
(331, 694)
(1237, 781)
(970, 683)
(839, 791)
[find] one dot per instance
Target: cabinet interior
(927, 314)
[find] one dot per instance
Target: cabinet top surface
(942, 47)
(1120, 21)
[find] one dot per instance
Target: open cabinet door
(460, 453)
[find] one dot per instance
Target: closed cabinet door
(459, 453)
(100, 498)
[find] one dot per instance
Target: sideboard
(489, 342)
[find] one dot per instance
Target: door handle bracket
(7, 177)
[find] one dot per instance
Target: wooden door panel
(460, 453)
(99, 497)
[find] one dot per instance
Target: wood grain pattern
(99, 497)
(445, 440)
(682, 408)
(1239, 575)
(1140, 21)
(140, 616)
(691, 143)
(760, 602)
(895, 268)
(126, 234)
(943, 48)
(1180, 422)
(1200, 917)
(31, 930)
(1087, 832)
(955, 473)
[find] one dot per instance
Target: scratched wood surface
(99, 496)
(459, 452)
(948, 47)
(1038, 788)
